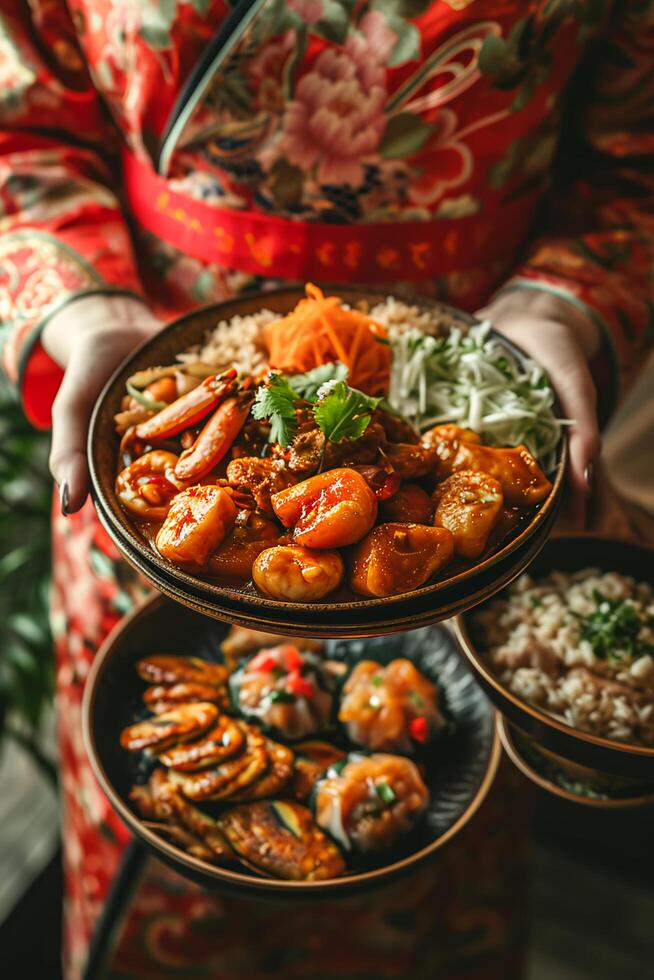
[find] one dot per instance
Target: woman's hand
(89, 337)
(562, 339)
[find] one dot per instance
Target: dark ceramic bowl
(604, 755)
(569, 780)
(460, 587)
(460, 770)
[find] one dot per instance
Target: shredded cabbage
(474, 380)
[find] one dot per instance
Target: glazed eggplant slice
(183, 839)
(390, 709)
(285, 689)
(281, 839)
(165, 668)
(163, 697)
(181, 724)
(368, 801)
(312, 759)
(225, 740)
(272, 782)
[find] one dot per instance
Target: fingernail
(588, 476)
(64, 497)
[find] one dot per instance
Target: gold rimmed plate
(456, 589)
(568, 554)
(461, 765)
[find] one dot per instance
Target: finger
(576, 393)
(71, 412)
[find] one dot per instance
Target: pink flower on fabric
(309, 10)
(441, 164)
(337, 116)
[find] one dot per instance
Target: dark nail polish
(588, 476)
(64, 497)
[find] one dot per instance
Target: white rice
(533, 641)
(238, 342)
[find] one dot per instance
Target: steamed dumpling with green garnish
(366, 802)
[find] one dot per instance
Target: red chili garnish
(419, 729)
(300, 686)
(263, 661)
(291, 658)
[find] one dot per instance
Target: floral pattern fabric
(341, 112)
(336, 111)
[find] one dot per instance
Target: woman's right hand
(88, 337)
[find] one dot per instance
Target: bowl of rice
(566, 652)
(520, 408)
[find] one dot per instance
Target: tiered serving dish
(461, 588)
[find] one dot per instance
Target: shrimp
(197, 522)
(215, 439)
(396, 558)
(329, 510)
(188, 409)
(469, 504)
(147, 486)
(295, 574)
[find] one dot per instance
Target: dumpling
(365, 803)
(287, 690)
(392, 708)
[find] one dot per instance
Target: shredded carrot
(320, 330)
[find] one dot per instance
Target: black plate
(461, 766)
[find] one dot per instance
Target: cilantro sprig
(340, 412)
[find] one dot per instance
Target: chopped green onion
(149, 403)
(282, 697)
(386, 793)
(376, 680)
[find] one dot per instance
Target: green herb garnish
(282, 697)
(343, 412)
(306, 385)
(385, 793)
(275, 402)
(612, 630)
(376, 680)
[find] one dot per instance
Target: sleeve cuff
(41, 380)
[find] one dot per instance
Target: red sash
(280, 248)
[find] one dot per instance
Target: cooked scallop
(281, 839)
(223, 741)
(162, 668)
(179, 725)
(275, 779)
(219, 782)
(164, 697)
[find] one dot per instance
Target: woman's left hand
(562, 339)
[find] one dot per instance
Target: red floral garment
(337, 111)
(340, 112)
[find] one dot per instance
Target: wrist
(95, 314)
(508, 309)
